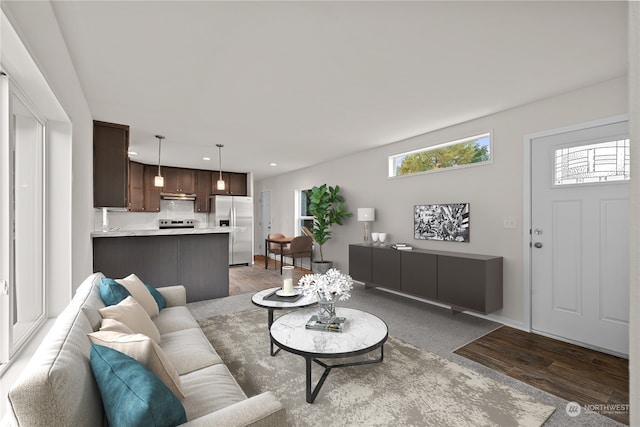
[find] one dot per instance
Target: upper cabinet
(110, 165)
(179, 180)
(235, 183)
(203, 190)
(136, 187)
(151, 192)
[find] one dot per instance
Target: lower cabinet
(200, 262)
(462, 281)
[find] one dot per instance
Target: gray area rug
(411, 387)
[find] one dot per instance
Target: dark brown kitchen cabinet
(151, 192)
(462, 281)
(136, 187)
(110, 165)
(179, 180)
(235, 184)
(203, 190)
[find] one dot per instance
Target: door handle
(537, 245)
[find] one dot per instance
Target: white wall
(634, 252)
(493, 191)
(69, 179)
(38, 29)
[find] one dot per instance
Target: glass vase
(326, 309)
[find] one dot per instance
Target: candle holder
(287, 280)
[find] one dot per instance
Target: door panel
(579, 254)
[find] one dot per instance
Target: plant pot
(321, 267)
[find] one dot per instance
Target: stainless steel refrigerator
(235, 212)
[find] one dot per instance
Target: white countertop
(164, 232)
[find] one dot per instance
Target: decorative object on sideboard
(382, 237)
(444, 222)
(326, 204)
(366, 215)
(220, 183)
(158, 180)
(374, 238)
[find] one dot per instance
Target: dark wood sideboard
(462, 281)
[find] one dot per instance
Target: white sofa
(58, 388)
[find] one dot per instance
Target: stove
(176, 223)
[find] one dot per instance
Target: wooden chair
(274, 248)
(300, 247)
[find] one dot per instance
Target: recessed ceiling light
(132, 153)
(206, 158)
(273, 164)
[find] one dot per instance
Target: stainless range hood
(178, 196)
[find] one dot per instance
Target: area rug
(411, 387)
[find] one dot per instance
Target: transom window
(593, 163)
(462, 152)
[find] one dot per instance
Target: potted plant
(326, 204)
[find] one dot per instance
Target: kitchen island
(197, 258)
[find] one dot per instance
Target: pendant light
(220, 183)
(158, 180)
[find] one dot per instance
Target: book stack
(401, 247)
(336, 326)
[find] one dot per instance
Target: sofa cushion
(173, 319)
(144, 350)
(210, 389)
(189, 350)
(140, 293)
(57, 387)
(160, 301)
(129, 312)
(112, 292)
(131, 394)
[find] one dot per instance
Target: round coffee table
(363, 332)
(281, 303)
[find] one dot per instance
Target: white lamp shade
(366, 214)
(158, 181)
(220, 184)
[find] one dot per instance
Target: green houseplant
(326, 204)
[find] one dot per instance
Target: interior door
(265, 218)
(579, 254)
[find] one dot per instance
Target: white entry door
(265, 218)
(579, 254)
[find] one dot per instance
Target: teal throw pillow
(162, 303)
(131, 394)
(112, 292)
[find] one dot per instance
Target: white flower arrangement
(330, 285)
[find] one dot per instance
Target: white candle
(287, 286)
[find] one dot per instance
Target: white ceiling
(299, 83)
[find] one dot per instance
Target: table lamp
(366, 215)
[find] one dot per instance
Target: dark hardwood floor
(565, 370)
(243, 280)
(595, 380)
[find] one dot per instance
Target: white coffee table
(363, 332)
(282, 304)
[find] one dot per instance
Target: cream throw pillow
(140, 293)
(115, 326)
(145, 351)
(129, 312)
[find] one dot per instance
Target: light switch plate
(509, 222)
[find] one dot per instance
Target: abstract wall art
(444, 222)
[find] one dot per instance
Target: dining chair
(274, 248)
(300, 247)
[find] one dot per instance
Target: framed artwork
(445, 222)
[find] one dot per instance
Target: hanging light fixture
(158, 181)
(220, 183)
